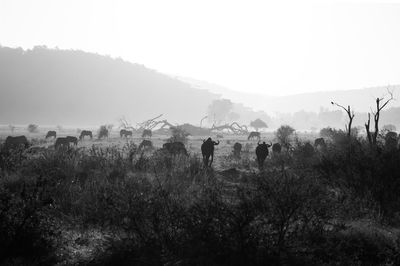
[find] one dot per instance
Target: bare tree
(233, 127)
(201, 121)
(372, 137)
(350, 114)
(125, 124)
(153, 122)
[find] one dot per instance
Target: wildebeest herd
(172, 148)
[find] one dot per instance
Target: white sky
(271, 47)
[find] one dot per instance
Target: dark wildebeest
(62, 142)
(207, 150)
(262, 153)
(175, 148)
(146, 133)
(85, 133)
(73, 140)
(50, 134)
(319, 143)
(16, 142)
(276, 148)
(125, 133)
(253, 135)
(145, 144)
(237, 148)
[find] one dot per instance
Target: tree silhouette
(350, 114)
(258, 123)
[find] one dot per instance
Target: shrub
(284, 133)
(103, 132)
(178, 135)
(32, 128)
(27, 230)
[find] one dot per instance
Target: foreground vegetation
(333, 206)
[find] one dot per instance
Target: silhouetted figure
(125, 133)
(145, 144)
(85, 133)
(175, 148)
(16, 142)
(253, 135)
(146, 133)
(237, 148)
(262, 153)
(207, 150)
(72, 139)
(276, 148)
(62, 142)
(50, 134)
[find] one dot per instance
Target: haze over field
(52, 87)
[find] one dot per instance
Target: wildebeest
(62, 142)
(207, 150)
(276, 148)
(262, 153)
(145, 144)
(253, 135)
(85, 133)
(125, 133)
(50, 134)
(15, 142)
(73, 140)
(319, 143)
(175, 147)
(237, 148)
(146, 133)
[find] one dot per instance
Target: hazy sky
(271, 47)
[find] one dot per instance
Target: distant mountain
(360, 99)
(66, 87)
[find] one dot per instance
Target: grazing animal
(145, 144)
(146, 133)
(320, 143)
(207, 150)
(175, 148)
(50, 134)
(253, 135)
(125, 133)
(16, 142)
(73, 140)
(62, 142)
(276, 148)
(85, 133)
(237, 148)
(262, 153)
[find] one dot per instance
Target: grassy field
(94, 204)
